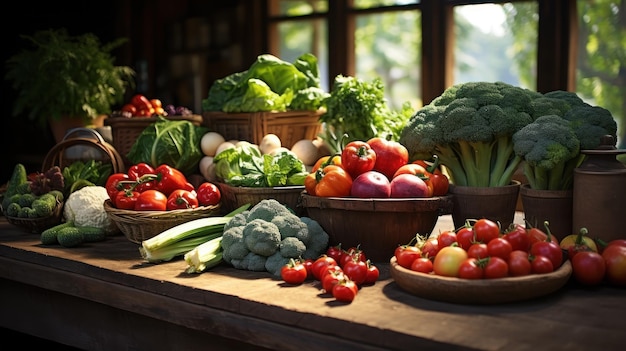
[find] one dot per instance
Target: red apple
(371, 184)
(408, 185)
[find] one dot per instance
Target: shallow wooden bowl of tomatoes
(378, 226)
(479, 291)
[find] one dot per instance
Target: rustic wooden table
(102, 296)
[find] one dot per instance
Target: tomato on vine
(373, 273)
(486, 230)
(407, 255)
(356, 270)
(471, 268)
(294, 272)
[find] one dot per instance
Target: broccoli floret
(233, 245)
(238, 220)
(251, 262)
(261, 237)
(267, 209)
(550, 148)
(591, 123)
(290, 225)
(470, 128)
(291, 247)
(275, 263)
(545, 106)
(572, 99)
(318, 239)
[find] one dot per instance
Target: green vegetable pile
(268, 235)
(245, 165)
(270, 84)
(359, 109)
(170, 142)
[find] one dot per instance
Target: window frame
(556, 47)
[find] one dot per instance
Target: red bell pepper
(135, 173)
(358, 157)
(169, 179)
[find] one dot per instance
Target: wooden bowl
(479, 291)
(377, 225)
(234, 197)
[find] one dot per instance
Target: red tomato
(422, 265)
(358, 157)
(588, 267)
(446, 238)
(486, 230)
(356, 270)
(465, 237)
(499, 247)
(151, 200)
(407, 255)
(353, 252)
(519, 264)
(550, 249)
(541, 264)
(308, 263)
(448, 261)
(372, 273)
(615, 259)
(345, 290)
(390, 155)
(321, 262)
(478, 250)
(471, 269)
(141, 102)
(181, 200)
(330, 279)
(518, 237)
(324, 271)
(336, 252)
(126, 199)
(208, 194)
(618, 242)
(294, 272)
(130, 108)
(496, 267)
(430, 248)
(536, 234)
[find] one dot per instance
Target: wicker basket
(38, 225)
(289, 126)
(234, 197)
(124, 131)
(138, 226)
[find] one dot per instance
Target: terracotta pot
(495, 203)
(554, 206)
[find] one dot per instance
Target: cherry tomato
(406, 256)
(446, 238)
(151, 200)
(499, 247)
(471, 268)
(336, 252)
(465, 237)
(588, 267)
(373, 273)
(430, 247)
(294, 272)
(330, 279)
(448, 261)
(486, 230)
(478, 250)
(541, 264)
(181, 199)
(324, 271)
(535, 234)
(518, 237)
(353, 252)
(321, 262)
(549, 249)
(496, 267)
(126, 199)
(308, 263)
(356, 270)
(208, 194)
(156, 103)
(519, 264)
(615, 259)
(345, 290)
(422, 265)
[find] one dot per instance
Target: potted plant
(62, 77)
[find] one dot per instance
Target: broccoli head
(290, 225)
(318, 239)
(267, 209)
(291, 247)
(550, 148)
(233, 246)
(591, 123)
(261, 237)
(250, 262)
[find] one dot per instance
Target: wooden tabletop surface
(261, 310)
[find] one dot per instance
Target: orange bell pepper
(328, 181)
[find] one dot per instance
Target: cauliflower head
(85, 207)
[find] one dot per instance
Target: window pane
(301, 37)
(388, 46)
(364, 4)
(300, 7)
(496, 43)
(601, 65)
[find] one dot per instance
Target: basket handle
(56, 155)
